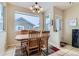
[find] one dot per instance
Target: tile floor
(68, 50)
(10, 51)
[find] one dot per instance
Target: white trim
(13, 45)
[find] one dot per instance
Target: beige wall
(10, 10)
(70, 13)
(58, 11)
(2, 42)
(41, 21)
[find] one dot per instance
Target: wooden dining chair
(23, 47)
(33, 44)
(23, 42)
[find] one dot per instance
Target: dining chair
(33, 44)
(23, 42)
(23, 47)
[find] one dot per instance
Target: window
(19, 27)
(26, 21)
(58, 23)
(47, 23)
(1, 17)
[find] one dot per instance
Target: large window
(26, 21)
(1, 17)
(47, 23)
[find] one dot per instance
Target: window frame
(27, 14)
(3, 11)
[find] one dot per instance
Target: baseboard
(67, 43)
(13, 45)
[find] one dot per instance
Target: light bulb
(39, 11)
(33, 11)
(31, 8)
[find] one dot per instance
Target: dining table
(22, 37)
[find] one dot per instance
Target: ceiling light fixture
(70, 3)
(36, 8)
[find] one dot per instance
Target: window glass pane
(24, 21)
(58, 23)
(1, 17)
(47, 23)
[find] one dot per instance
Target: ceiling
(46, 5)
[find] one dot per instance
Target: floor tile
(54, 54)
(10, 52)
(59, 52)
(72, 53)
(75, 50)
(69, 54)
(65, 50)
(68, 47)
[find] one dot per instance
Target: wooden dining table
(22, 37)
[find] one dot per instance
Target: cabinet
(75, 38)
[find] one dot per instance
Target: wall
(58, 12)
(10, 10)
(2, 42)
(70, 13)
(41, 21)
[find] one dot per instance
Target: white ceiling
(46, 5)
